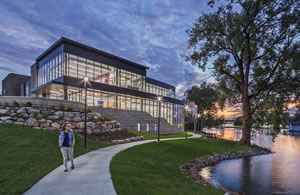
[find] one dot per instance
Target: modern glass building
(114, 82)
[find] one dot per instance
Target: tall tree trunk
(247, 121)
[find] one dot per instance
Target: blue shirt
(66, 140)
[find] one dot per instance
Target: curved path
(90, 176)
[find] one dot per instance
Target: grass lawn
(29, 154)
(154, 168)
(150, 136)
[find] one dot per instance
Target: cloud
(8, 69)
(151, 33)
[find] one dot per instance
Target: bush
(28, 104)
(6, 104)
(105, 118)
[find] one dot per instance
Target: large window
(50, 69)
(130, 80)
(150, 88)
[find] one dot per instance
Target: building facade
(14, 85)
(113, 82)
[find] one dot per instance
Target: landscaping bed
(109, 137)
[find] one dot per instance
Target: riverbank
(154, 168)
(193, 168)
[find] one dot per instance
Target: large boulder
(44, 125)
(13, 114)
(80, 125)
(31, 122)
(69, 114)
(59, 113)
(76, 119)
(91, 125)
(5, 118)
(4, 111)
(19, 123)
(20, 120)
(42, 120)
(97, 131)
(21, 110)
(89, 132)
(53, 117)
(32, 111)
(9, 122)
(55, 125)
(67, 118)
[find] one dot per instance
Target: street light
(159, 98)
(85, 110)
(198, 118)
(186, 107)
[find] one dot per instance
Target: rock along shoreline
(191, 169)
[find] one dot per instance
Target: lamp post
(198, 117)
(85, 110)
(159, 98)
(186, 107)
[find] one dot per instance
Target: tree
(254, 46)
(205, 97)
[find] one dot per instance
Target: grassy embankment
(154, 168)
(29, 154)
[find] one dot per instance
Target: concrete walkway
(90, 176)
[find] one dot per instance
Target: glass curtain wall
(79, 67)
(130, 80)
(51, 69)
(150, 88)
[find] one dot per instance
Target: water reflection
(278, 173)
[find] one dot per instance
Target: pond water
(278, 173)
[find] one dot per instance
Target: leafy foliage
(204, 96)
(255, 52)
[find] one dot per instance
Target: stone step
(129, 119)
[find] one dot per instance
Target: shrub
(6, 104)
(105, 118)
(28, 104)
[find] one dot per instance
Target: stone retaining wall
(41, 102)
(52, 119)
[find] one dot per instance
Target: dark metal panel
(11, 84)
(94, 54)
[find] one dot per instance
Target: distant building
(14, 85)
